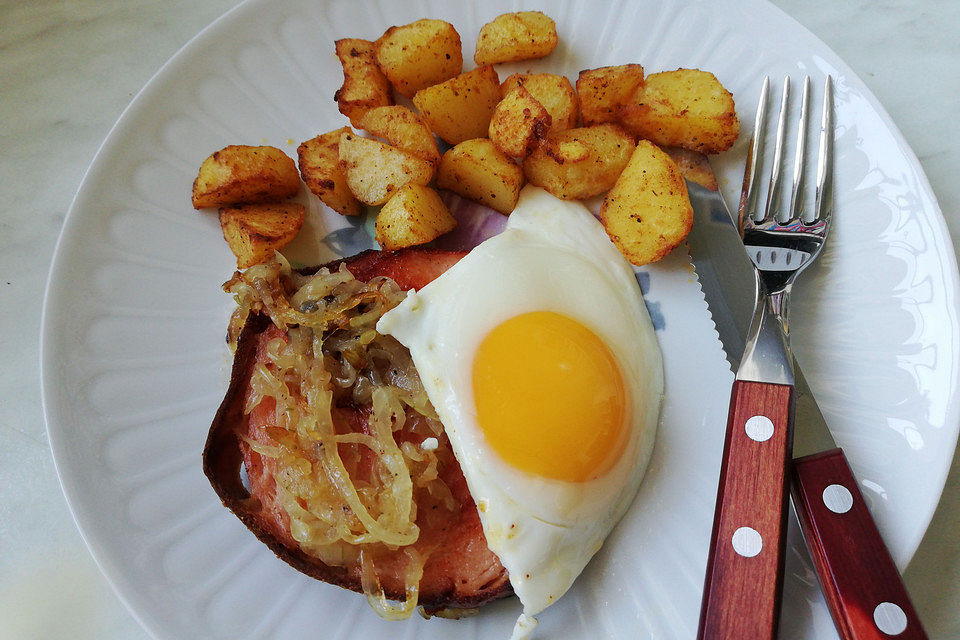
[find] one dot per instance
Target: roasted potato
(255, 231)
(477, 170)
(579, 163)
(414, 215)
(420, 54)
(364, 85)
(554, 92)
(319, 160)
(512, 37)
(241, 174)
(685, 108)
(403, 129)
(375, 170)
(694, 166)
(460, 108)
(518, 123)
(602, 91)
(647, 212)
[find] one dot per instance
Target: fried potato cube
(685, 108)
(579, 163)
(241, 174)
(694, 167)
(460, 108)
(364, 85)
(512, 37)
(647, 212)
(319, 160)
(518, 123)
(414, 215)
(420, 54)
(601, 91)
(403, 129)
(255, 231)
(477, 170)
(553, 91)
(375, 170)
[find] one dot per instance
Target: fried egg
(537, 351)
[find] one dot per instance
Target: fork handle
(744, 580)
(860, 582)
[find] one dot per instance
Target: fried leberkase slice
(461, 571)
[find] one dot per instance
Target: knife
(859, 580)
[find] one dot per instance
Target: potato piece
(460, 108)
(694, 167)
(364, 85)
(512, 37)
(319, 160)
(579, 163)
(477, 170)
(684, 108)
(601, 91)
(414, 215)
(420, 54)
(241, 174)
(519, 122)
(376, 170)
(554, 92)
(255, 231)
(403, 129)
(648, 212)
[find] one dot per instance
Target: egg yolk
(550, 397)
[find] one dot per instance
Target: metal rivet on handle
(890, 619)
(747, 542)
(759, 428)
(837, 498)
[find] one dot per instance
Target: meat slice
(461, 571)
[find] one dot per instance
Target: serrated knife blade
(729, 285)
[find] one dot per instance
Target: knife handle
(741, 593)
(860, 582)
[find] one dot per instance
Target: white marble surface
(68, 68)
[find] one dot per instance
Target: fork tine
(776, 178)
(824, 205)
(748, 195)
(801, 153)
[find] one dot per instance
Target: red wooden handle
(859, 580)
(741, 593)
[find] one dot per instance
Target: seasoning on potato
(254, 231)
(685, 108)
(602, 91)
(460, 108)
(419, 55)
(375, 170)
(319, 160)
(518, 123)
(414, 215)
(553, 91)
(242, 174)
(364, 85)
(579, 163)
(403, 129)
(647, 212)
(513, 37)
(477, 170)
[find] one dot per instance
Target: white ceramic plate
(134, 364)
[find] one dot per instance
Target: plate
(133, 363)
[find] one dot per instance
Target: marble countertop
(67, 70)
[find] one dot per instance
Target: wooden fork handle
(744, 580)
(860, 582)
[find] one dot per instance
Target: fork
(744, 578)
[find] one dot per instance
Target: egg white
(552, 256)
